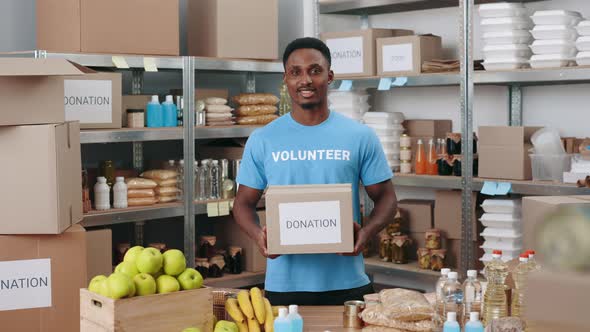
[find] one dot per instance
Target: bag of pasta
(380, 315)
(256, 120)
(256, 99)
(250, 110)
(167, 183)
(140, 193)
(405, 305)
(142, 201)
(167, 199)
(159, 174)
(140, 183)
(167, 191)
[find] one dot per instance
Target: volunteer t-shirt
(338, 150)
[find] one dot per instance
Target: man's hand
(261, 241)
(360, 240)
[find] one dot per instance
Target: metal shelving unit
(132, 214)
(401, 275)
(89, 136)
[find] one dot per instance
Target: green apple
(192, 329)
(167, 284)
(190, 279)
(95, 283)
(131, 288)
(226, 326)
(127, 268)
(174, 262)
(119, 286)
(104, 289)
(149, 261)
(145, 284)
(132, 254)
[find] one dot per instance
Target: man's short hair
(307, 42)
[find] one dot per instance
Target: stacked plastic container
(506, 35)
(352, 104)
(555, 37)
(388, 127)
(503, 228)
(583, 43)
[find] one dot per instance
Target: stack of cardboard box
(45, 257)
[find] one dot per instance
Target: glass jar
(405, 141)
(385, 248)
(405, 154)
(202, 265)
(207, 246)
(454, 143)
(437, 259)
(235, 260)
(399, 249)
(405, 167)
(433, 239)
(216, 266)
(424, 258)
(135, 118)
(107, 169)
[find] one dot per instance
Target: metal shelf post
(188, 88)
(515, 107)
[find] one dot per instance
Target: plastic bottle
(169, 111)
(204, 180)
(120, 193)
(453, 296)
(295, 318)
(102, 194)
(519, 275)
(214, 180)
(155, 116)
(171, 165)
(282, 323)
(431, 165)
(472, 295)
(197, 178)
(451, 325)
(494, 299)
(420, 158)
(439, 314)
(532, 262)
(474, 325)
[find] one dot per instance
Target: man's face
(307, 76)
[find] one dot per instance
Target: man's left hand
(360, 241)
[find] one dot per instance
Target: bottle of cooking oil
(534, 266)
(495, 305)
(519, 275)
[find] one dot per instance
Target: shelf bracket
(250, 82)
(136, 81)
(365, 22)
(515, 106)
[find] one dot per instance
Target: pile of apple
(146, 271)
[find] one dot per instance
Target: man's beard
(309, 106)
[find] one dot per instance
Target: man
(314, 279)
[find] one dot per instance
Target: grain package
(166, 199)
(380, 315)
(140, 193)
(140, 183)
(405, 305)
(250, 110)
(256, 99)
(257, 119)
(142, 201)
(217, 113)
(167, 191)
(223, 109)
(215, 101)
(373, 328)
(159, 174)
(167, 183)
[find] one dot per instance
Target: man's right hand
(262, 244)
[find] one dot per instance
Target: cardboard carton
(232, 150)
(54, 270)
(353, 52)
(417, 214)
(58, 26)
(453, 258)
(418, 241)
(428, 128)
(99, 253)
(233, 29)
(32, 90)
(138, 102)
(41, 189)
(206, 93)
(309, 219)
(447, 214)
(404, 56)
(504, 152)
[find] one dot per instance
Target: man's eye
(294, 73)
(316, 71)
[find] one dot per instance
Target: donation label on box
(88, 101)
(310, 223)
(398, 57)
(25, 284)
(347, 55)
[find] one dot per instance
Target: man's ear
(330, 76)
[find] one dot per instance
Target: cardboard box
(535, 210)
(99, 252)
(353, 52)
(558, 298)
(41, 189)
(54, 269)
(418, 241)
(417, 214)
(428, 128)
(229, 150)
(497, 145)
(27, 84)
(234, 29)
(133, 102)
(206, 93)
(404, 56)
(309, 219)
(58, 26)
(453, 258)
(230, 234)
(447, 214)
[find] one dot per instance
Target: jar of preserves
(405, 167)
(385, 247)
(433, 240)
(207, 246)
(216, 266)
(437, 259)
(399, 249)
(405, 154)
(235, 260)
(424, 258)
(135, 118)
(202, 266)
(405, 141)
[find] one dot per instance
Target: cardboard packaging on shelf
(310, 219)
(453, 258)
(41, 185)
(354, 53)
(230, 234)
(234, 29)
(504, 152)
(133, 102)
(99, 252)
(428, 128)
(447, 214)
(417, 214)
(418, 241)
(232, 150)
(45, 273)
(403, 56)
(206, 93)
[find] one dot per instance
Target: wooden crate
(158, 313)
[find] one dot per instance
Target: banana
(258, 304)
(231, 306)
(242, 326)
(253, 325)
(246, 305)
(268, 324)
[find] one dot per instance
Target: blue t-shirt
(338, 150)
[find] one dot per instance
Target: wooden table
(325, 318)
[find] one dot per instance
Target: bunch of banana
(251, 311)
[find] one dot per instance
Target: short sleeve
(251, 173)
(374, 166)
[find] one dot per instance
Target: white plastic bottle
(295, 318)
(439, 312)
(102, 194)
(474, 324)
(472, 295)
(282, 323)
(453, 296)
(120, 193)
(451, 325)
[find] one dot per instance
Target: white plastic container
(556, 17)
(554, 32)
(102, 194)
(583, 28)
(583, 43)
(391, 150)
(543, 61)
(583, 59)
(505, 63)
(507, 249)
(550, 167)
(347, 97)
(497, 220)
(506, 24)
(501, 241)
(388, 139)
(380, 117)
(566, 48)
(389, 126)
(507, 51)
(497, 234)
(120, 193)
(505, 206)
(501, 10)
(488, 257)
(507, 37)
